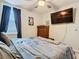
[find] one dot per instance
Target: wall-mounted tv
(64, 16)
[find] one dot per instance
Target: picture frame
(31, 21)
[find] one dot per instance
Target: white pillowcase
(50, 41)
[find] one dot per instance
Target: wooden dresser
(43, 31)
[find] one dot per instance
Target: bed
(42, 48)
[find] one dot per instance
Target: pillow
(49, 40)
(5, 39)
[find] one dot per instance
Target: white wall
(69, 33)
(72, 36)
(29, 31)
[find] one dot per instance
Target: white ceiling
(29, 4)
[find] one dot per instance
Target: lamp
(41, 2)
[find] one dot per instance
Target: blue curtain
(4, 21)
(5, 18)
(17, 15)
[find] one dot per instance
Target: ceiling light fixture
(41, 2)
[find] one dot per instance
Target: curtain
(5, 18)
(17, 15)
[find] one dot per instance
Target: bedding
(5, 52)
(53, 51)
(38, 48)
(25, 53)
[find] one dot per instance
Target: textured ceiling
(30, 4)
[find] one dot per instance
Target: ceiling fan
(42, 3)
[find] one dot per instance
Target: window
(11, 25)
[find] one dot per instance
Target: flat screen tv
(64, 16)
